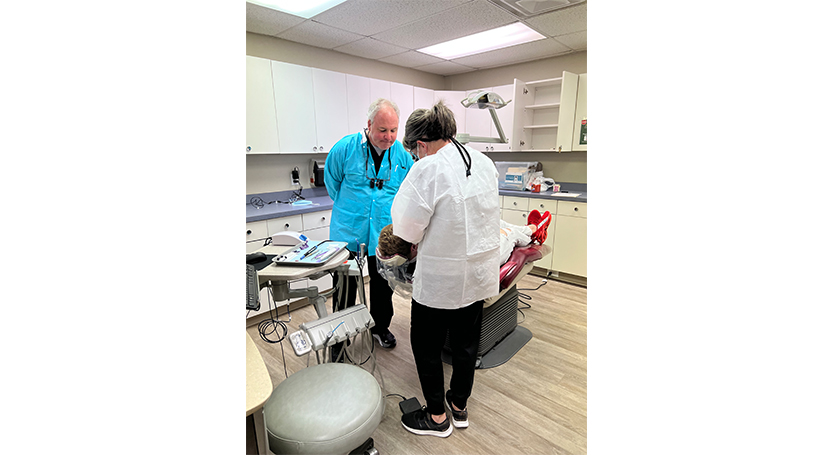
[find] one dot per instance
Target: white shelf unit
(545, 114)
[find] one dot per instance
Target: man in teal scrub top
(362, 173)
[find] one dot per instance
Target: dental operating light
(483, 99)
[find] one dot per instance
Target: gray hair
(377, 105)
(429, 125)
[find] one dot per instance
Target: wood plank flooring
(536, 403)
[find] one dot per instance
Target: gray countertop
(320, 200)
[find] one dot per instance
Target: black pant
(379, 300)
(428, 331)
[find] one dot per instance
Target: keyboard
(252, 289)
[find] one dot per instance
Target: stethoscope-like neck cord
(463, 154)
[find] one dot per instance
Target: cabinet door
(452, 99)
(379, 89)
(516, 217)
(261, 120)
(358, 100)
(567, 112)
(295, 107)
(330, 107)
(403, 96)
(570, 246)
(581, 115)
(423, 98)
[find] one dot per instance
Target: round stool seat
(330, 408)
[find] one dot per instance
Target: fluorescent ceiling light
(305, 8)
(498, 38)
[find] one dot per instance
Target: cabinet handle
(286, 225)
(315, 149)
(248, 148)
(541, 205)
(575, 209)
(323, 218)
(321, 148)
(514, 203)
(248, 232)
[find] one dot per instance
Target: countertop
(319, 200)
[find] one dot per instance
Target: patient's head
(390, 244)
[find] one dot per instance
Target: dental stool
(330, 408)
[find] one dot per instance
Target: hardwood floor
(536, 403)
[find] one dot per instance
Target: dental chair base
(500, 336)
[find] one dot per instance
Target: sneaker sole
(379, 339)
(439, 434)
(450, 414)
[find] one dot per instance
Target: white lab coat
(456, 222)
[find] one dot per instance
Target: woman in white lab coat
(448, 204)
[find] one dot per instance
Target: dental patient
(510, 236)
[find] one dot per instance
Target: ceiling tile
(575, 41)
(268, 21)
(535, 50)
(411, 59)
(561, 22)
(445, 68)
(319, 35)
(373, 16)
(473, 17)
(370, 48)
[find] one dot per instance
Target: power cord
(271, 326)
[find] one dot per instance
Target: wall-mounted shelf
(544, 82)
(542, 106)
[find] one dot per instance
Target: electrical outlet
(295, 175)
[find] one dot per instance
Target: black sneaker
(460, 418)
(386, 339)
(420, 422)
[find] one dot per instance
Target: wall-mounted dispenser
(316, 172)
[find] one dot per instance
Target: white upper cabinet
(580, 127)
(294, 100)
(423, 98)
(379, 89)
(358, 100)
(261, 123)
(544, 114)
(311, 107)
(403, 96)
(330, 94)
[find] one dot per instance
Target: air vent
(531, 8)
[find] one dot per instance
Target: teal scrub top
(359, 211)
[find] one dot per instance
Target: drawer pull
(575, 209)
(323, 218)
(248, 232)
(286, 225)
